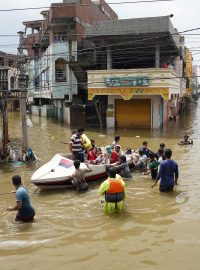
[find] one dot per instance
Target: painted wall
(161, 81)
(45, 69)
(66, 115)
(188, 71)
(56, 51)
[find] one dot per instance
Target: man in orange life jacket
(114, 190)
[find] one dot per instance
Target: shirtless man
(78, 177)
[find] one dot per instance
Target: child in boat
(99, 157)
(186, 141)
(78, 177)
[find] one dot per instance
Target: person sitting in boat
(129, 151)
(110, 156)
(186, 141)
(115, 142)
(123, 167)
(78, 177)
(99, 157)
(114, 190)
(141, 164)
(115, 154)
(91, 154)
(25, 212)
(119, 150)
(153, 166)
(145, 148)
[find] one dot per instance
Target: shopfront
(136, 98)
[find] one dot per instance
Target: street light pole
(22, 87)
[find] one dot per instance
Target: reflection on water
(71, 230)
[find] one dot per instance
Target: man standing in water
(25, 211)
(75, 145)
(114, 190)
(168, 173)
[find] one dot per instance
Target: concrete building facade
(143, 71)
(57, 80)
(78, 44)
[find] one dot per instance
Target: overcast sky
(186, 16)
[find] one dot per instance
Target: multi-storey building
(87, 67)
(8, 71)
(8, 82)
(141, 67)
(57, 81)
(195, 80)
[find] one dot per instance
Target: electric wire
(92, 4)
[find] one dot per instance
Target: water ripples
(71, 230)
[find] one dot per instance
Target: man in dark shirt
(168, 173)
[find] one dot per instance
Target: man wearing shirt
(168, 173)
(25, 211)
(76, 146)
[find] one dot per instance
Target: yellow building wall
(188, 71)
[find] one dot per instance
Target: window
(4, 79)
(60, 37)
(37, 83)
(12, 82)
(1, 61)
(60, 70)
(10, 63)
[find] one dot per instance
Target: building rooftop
(134, 27)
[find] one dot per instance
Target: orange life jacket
(116, 191)
(115, 186)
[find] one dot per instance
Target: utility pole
(23, 90)
(5, 123)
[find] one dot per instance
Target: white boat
(57, 173)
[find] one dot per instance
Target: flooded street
(71, 231)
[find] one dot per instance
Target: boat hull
(57, 173)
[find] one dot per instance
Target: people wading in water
(25, 212)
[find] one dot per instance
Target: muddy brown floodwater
(71, 231)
